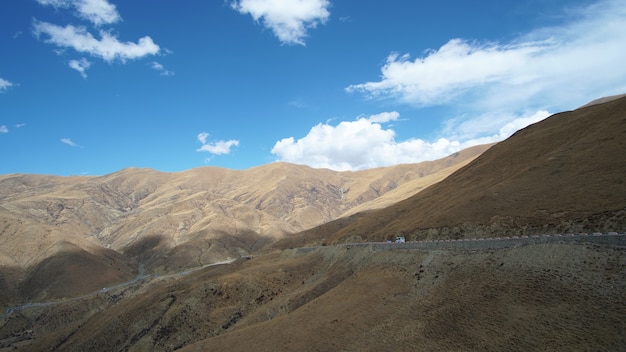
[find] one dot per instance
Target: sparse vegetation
(64, 239)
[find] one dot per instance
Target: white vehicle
(400, 239)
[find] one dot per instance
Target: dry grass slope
(564, 174)
(557, 297)
(50, 225)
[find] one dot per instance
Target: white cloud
(569, 64)
(384, 117)
(108, 48)
(470, 132)
(288, 19)
(202, 137)
(81, 66)
(364, 143)
(98, 12)
(5, 129)
(494, 89)
(69, 142)
(216, 147)
(4, 85)
(297, 103)
(456, 67)
(158, 67)
(55, 3)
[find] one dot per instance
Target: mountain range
(171, 221)
(564, 174)
(124, 261)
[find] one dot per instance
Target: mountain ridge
(563, 174)
(170, 221)
(501, 294)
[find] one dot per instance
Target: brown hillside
(604, 100)
(172, 221)
(564, 174)
(66, 269)
(431, 173)
(561, 294)
(557, 297)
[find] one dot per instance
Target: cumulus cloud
(384, 117)
(81, 66)
(98, 12)
(364, 143)
(472, 132)
(202, 137)
(215, 147)
(69, 142)
(490, 89)
(5, 129)
(568, 63)
(161, 69)
(289, 20)
(108, 47)
(457, 66)
(4, 85)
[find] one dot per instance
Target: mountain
(563, 174)
(553, 296)
(603, 100)
(51, 225)
(557, 293)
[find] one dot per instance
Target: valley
(289, 298)
(610, 239)
(515, 246)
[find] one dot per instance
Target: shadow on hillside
(161, 255)
(72, 272)
(147, 249)
(9, 278)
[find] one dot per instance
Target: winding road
(610, 238)
(140, 278)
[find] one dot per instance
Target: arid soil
(67, 236)
(73, 253)
(547, 297)
(557, 297)
(563, 174)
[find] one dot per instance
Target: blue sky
(89, 87)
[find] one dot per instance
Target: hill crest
(563, 174)
(169, 221)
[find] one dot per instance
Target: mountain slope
(562, 294)
(172, 221)
(564, 174)
(524, 298)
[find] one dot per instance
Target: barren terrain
(563, 174)
(121, 262)
(66, 236)
(557, 296)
